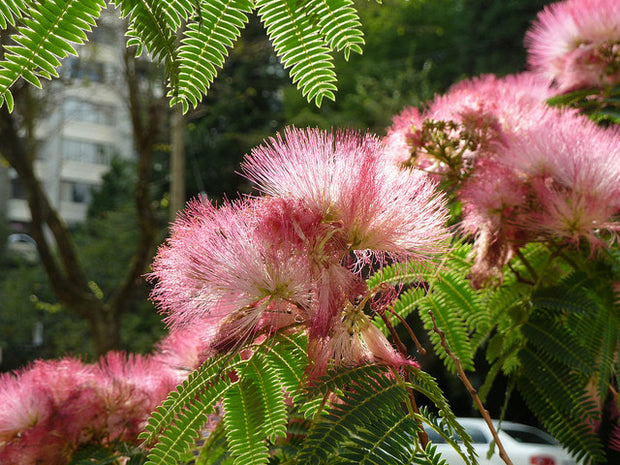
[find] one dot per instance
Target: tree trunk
(54, 240)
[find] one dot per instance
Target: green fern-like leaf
(270, 394)
(450, 321)
(558, 341)
(458, 291)
(244, 424)
(200, 380)
(558, 398)
(301, 47)
(12, 10)
(339, 23)
(153, 25)
(369, 393)
(447, 425)
(412, 273)
(430, 456)
(44, 39)
(179, 421)
(215, 450)
(204, 48)
(289, 358)
(388, 440)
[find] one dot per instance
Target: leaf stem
(472, 391)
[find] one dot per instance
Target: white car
(524, 445)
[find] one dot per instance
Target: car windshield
(529, 436)
(477, 436)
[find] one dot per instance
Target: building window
(87, 152)
(76, 192)
(90, 112)
(82, 69)
(18, 191)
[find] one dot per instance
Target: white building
(84, 124)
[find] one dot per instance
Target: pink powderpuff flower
(576, 43)
(53, 408)
(354, 340)
(236, 266)
(132, 386)
(401, 136)
(344, 177)
(43, 444)
(184, 349)
(73, 387)
(492, 199)
(573, 169)
(25, 404)
(469, 121)
(492, 106)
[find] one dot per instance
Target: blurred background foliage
(414, 49)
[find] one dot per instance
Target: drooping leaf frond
(558, 341)
(561, 402)
(190, 37)
(46, 36)
(269, 393)
(301, 47)
(386, 440)
(430, 456)
(215, 449)
(447, 425)
(244, 423)
(153, 26)
(179, 421)
(198, 381)
(339, 23)
(12, 10)
(370, 422)
(451, 321)
(290, 362)
(369, 393)
(204, 48)
(253, 393)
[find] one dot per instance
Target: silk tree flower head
(576, 43)
(48, 410)
(184, 349)
(26, 408)
(492, 198)
(24, 405)
(468, 122)
(557, 182)
(372, 212)
(131, 387)
(572, 167)
(344, 177)
(240, 267)
(293, 258)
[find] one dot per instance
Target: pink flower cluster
(532, 173)
(51, 408)
(576, 43)
(294, 258)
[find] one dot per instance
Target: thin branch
(520, 278)
(472, 391)
(422, 435)
(528, 265)
(421, 349)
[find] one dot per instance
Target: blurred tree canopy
(414, 49)
(242, 107)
